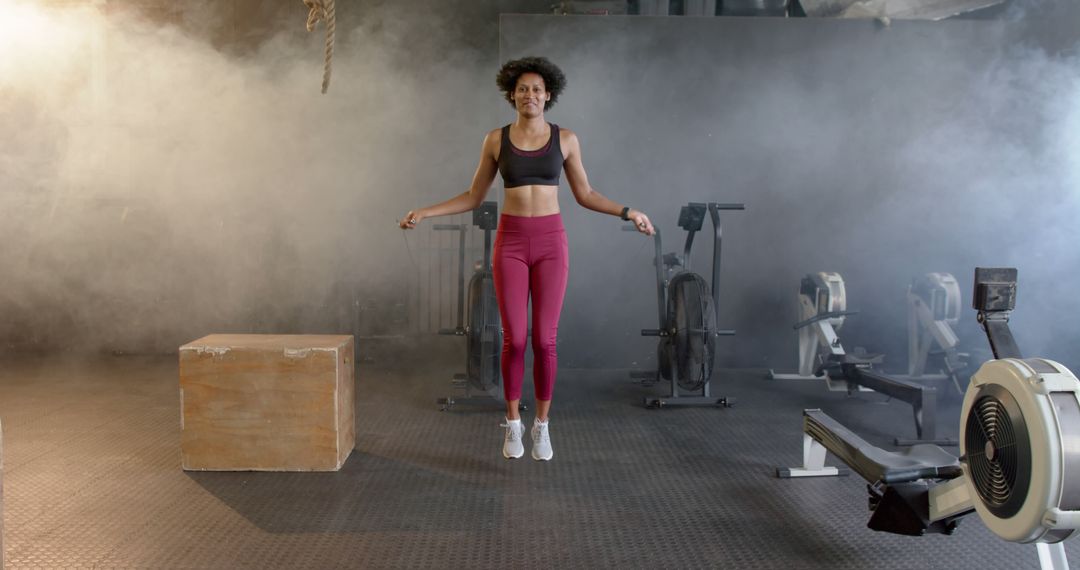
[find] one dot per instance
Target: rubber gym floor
(92, 479)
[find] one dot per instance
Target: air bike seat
(922, 461)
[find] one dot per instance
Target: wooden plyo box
(266, 402)
(1, 499)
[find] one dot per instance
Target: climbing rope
(323, 10)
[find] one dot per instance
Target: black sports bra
(526, 167)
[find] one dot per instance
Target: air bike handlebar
(690, 219)
(659, 332)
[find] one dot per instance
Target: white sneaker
(541, 450)
(512, 446)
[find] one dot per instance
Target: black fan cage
(998, 451)
(691, 313)
(484, 339)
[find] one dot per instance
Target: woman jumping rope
(530, 256)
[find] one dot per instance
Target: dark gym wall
(878, 151)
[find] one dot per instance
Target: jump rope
(405, 236)
(416, 266)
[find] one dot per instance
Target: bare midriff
(532, 201)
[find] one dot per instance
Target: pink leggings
(530, 257)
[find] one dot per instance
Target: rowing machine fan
(821, 293)
(941, 294)
(1020, 441)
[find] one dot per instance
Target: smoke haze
(172, 175)
(879, 152)
(158, 187)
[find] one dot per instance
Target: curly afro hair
(554, 80)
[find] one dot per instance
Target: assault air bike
(687, 307)
(482, 380)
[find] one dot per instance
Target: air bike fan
(1019, 467)
(482, 379)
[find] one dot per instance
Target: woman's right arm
(474, 196)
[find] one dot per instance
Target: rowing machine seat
(874, 464)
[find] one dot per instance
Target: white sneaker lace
(540, 432)
(511, 433)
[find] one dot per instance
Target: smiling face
(530, 95)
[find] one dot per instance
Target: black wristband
(624, 212)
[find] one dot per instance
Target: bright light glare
(42, 42)
(21, 23)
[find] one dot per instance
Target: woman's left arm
(585, 194)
